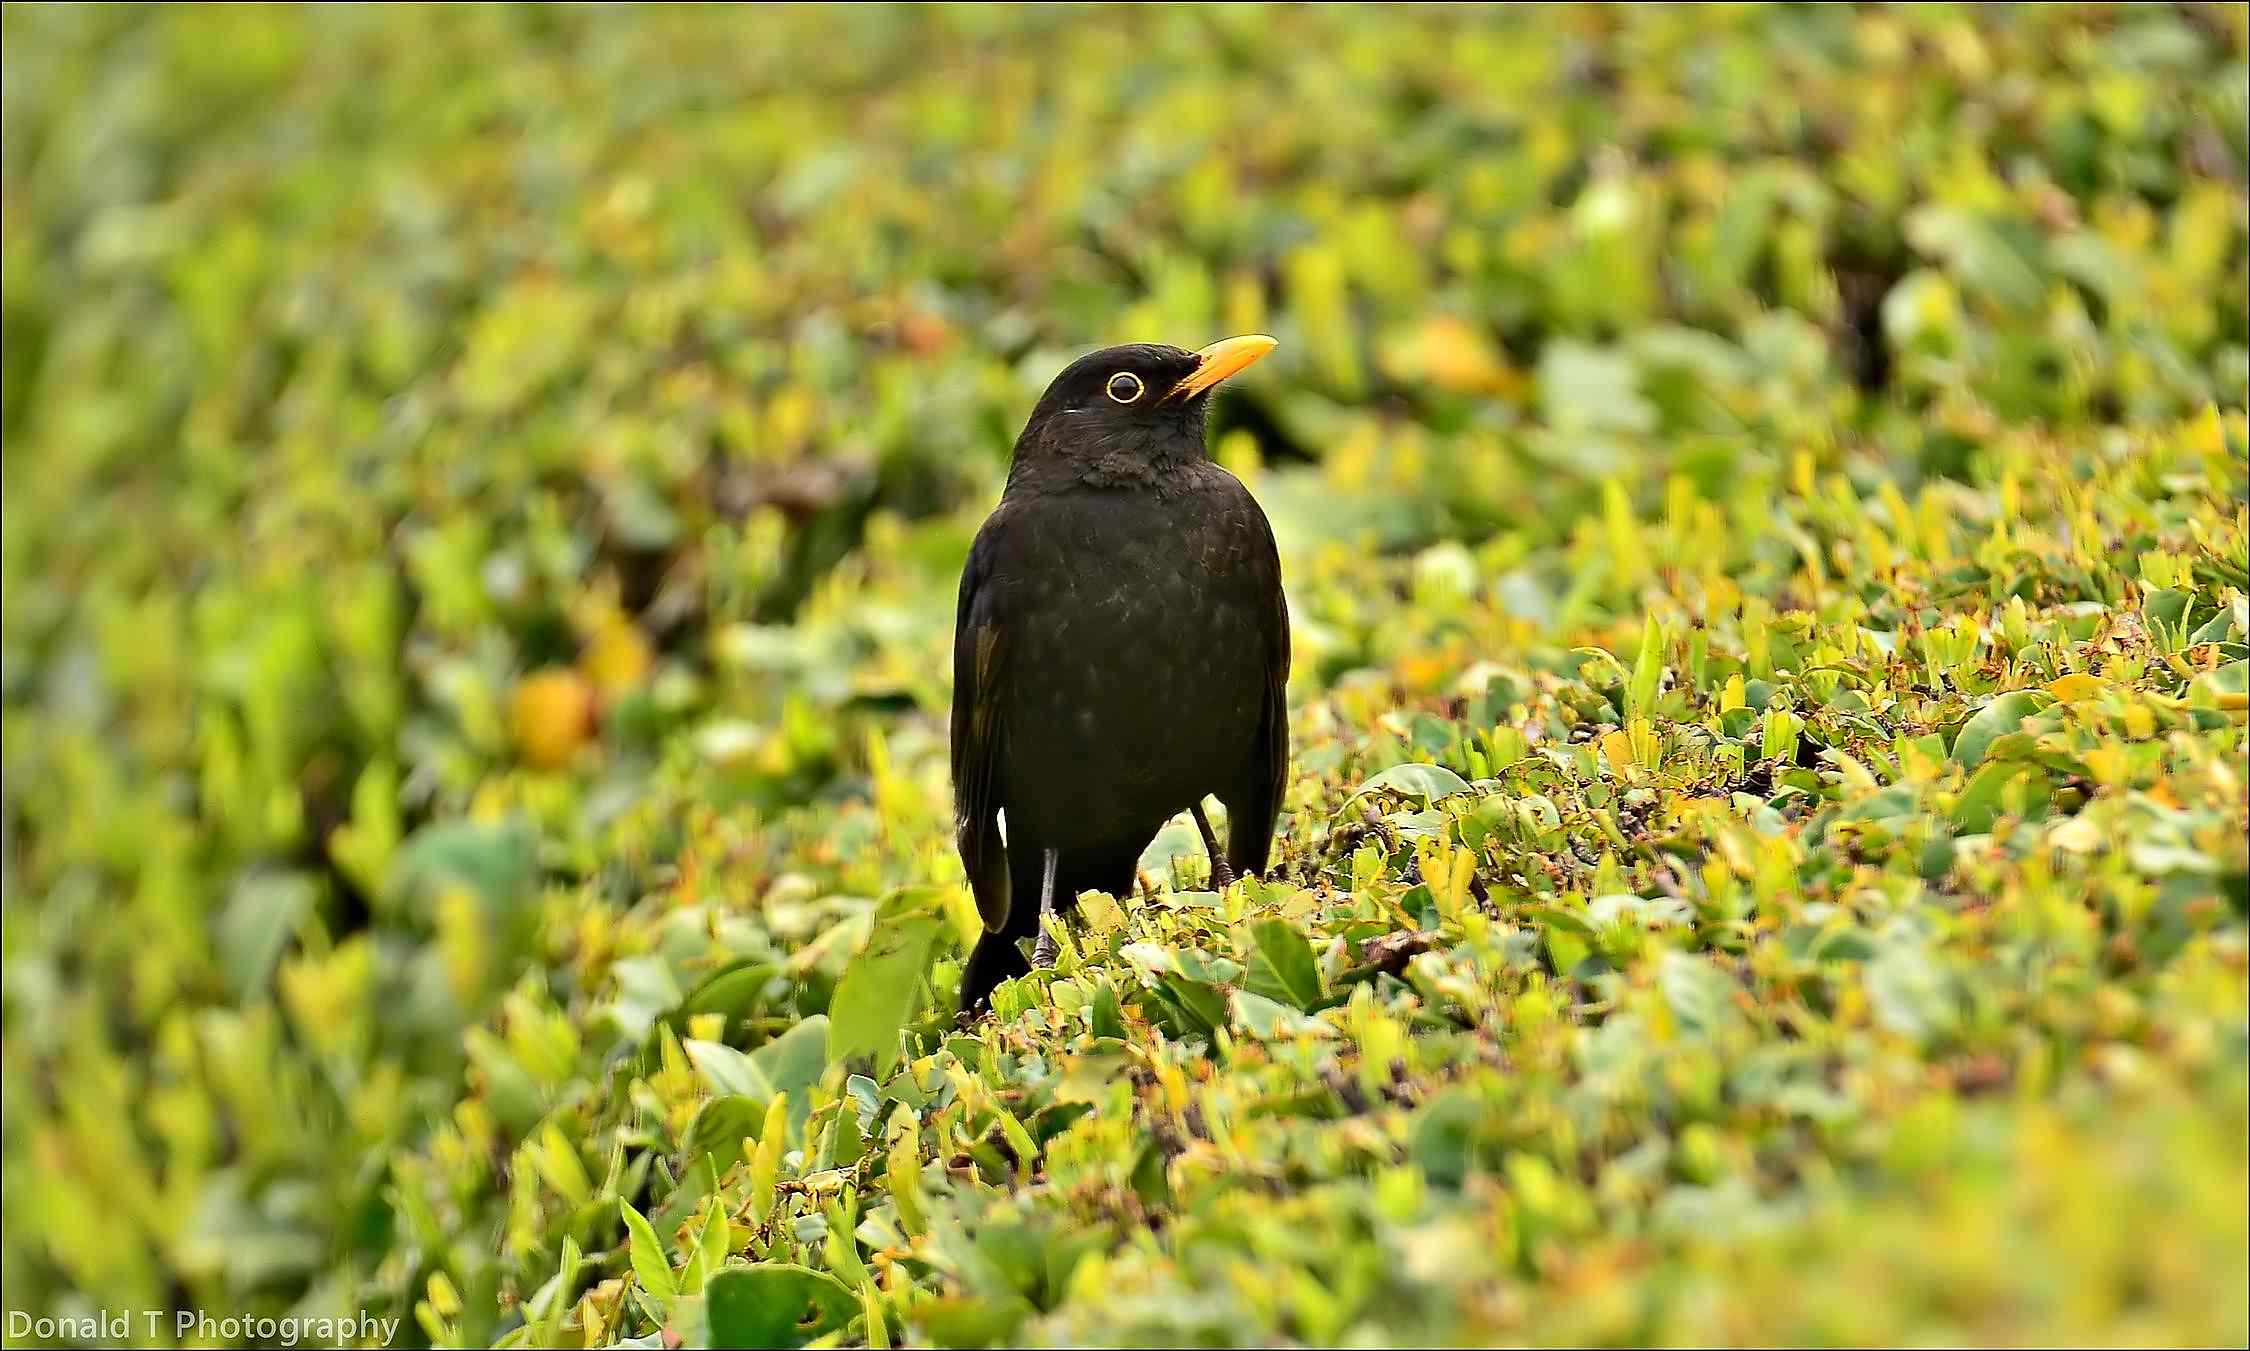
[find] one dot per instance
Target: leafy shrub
(1763, 498)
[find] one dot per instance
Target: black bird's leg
(1222, 876)
(1043, 951)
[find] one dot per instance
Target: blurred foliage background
(483, 492)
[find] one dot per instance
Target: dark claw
(1222, 876)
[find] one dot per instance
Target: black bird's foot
(1043, 951)
(1222, 876)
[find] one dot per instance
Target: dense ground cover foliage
(1761, 491)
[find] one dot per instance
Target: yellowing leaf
(1453, 354)
(618, 659)
(551, 715)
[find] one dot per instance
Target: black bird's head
(1123, 413)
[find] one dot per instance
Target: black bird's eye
(1125, 387)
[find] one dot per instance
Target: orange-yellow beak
(1222, 359)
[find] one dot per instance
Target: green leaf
(1697, 994)
(2221, 687)
(882, 981)
(1108, 1019)
(1995, 720)
(1591, 388)
(731, 991)
(1153, 958)
(1443, 1141)
(543, 1312)
(973, 1320)
(1566, 950)
(1986, 257)
(645, 991)
(791, 1061)
(1909, 993)
(1201, 1006)
(1978, 806)
(1778, 739)
(499, 863)
(721, 1127)
(1427, 782)
(1268, 1019)
(1185, 982)
(1567, 933)
(700, 1180)
(1283, 966)
(364, 846)
(261, 916)
(650, 1265)
(1648, 671)
(775, 1305)
(710, 1252)
(727, 1070)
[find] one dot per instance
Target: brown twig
(1388, 954)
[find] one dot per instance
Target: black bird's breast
(1135, 622)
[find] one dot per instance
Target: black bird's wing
(979, 657)
(1251, 821)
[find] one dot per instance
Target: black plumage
(1120, 651)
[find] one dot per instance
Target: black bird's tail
(1000, 953)
(998, 956)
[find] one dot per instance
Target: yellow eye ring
(1125, 387)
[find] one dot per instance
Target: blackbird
(1120, 650)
